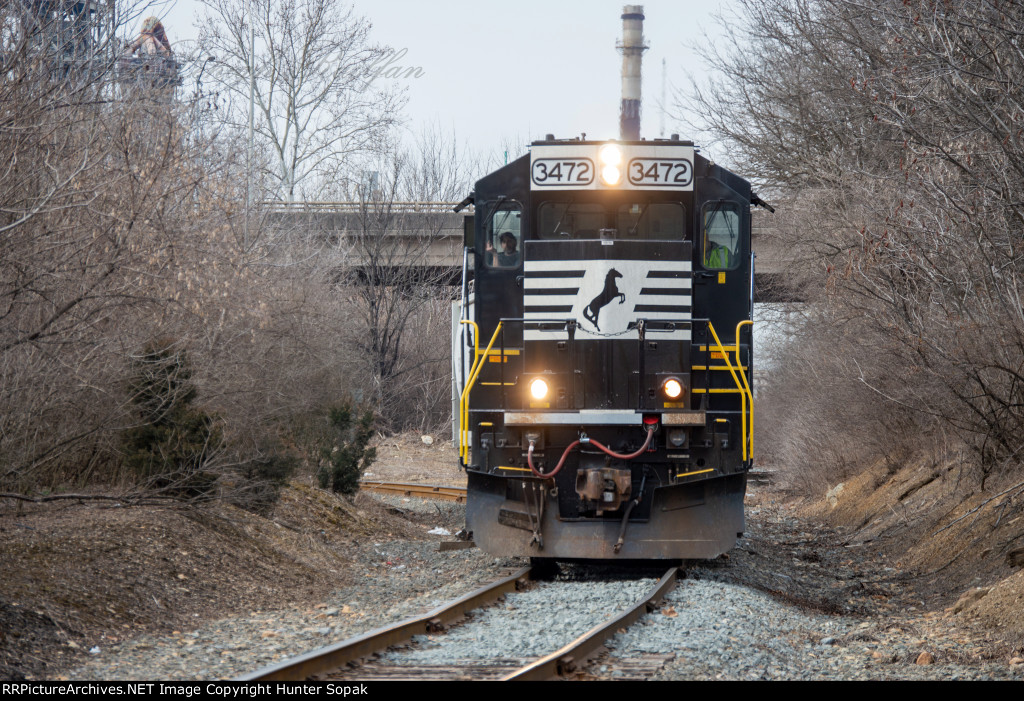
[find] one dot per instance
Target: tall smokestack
(633, 48)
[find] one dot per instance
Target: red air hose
(617, 456)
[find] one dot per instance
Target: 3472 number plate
(660, 172)
(563, 172)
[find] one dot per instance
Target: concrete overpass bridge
(422, 241)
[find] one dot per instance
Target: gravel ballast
(721, 622)
(527, 624)
(722, 630)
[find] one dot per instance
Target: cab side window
(503, 247)
(720, 240)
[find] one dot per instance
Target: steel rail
(576, 654)
(424, 491)
(332, 657)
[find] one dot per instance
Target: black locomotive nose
(606, 416)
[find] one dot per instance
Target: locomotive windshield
(580, 220)
(664, 221)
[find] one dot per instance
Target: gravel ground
(523, 627)
(734, 618)
(722, 630)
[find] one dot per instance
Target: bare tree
(399, 254)
(68, 201)
(120, 231)
(893, 129)
(108, 238)
(316, 102)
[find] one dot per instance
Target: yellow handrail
(474, 372)
(744, 388)
(476, 338)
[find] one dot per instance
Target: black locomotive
(603, 353)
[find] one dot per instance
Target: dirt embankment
(82, 575)
(959, 548)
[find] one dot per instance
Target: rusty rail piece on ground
(423, 491)
(332, 657)
(574, 656)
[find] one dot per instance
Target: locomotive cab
(603, 353)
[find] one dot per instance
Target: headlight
(611, 155)
(539, 388)
(611, 175)
(672, 388)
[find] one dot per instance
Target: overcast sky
(493, 71)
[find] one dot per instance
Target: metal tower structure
(75, 37)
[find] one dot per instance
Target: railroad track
(423, 491)
(756, 476)
(335, 662)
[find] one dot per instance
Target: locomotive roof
(512, 179)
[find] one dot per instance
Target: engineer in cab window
(508, 256)
(721, 236)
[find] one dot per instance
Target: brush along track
(568, 620)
